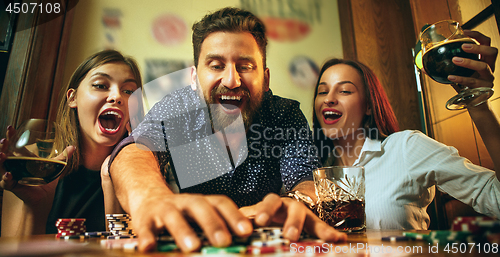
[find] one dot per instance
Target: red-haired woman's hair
(380, 124)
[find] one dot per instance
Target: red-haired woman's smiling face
(340, 104)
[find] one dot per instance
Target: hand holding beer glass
(440, 43)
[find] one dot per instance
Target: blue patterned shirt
(277, 153)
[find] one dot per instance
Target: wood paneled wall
(34, 74)
(33, 80)
(380, 34)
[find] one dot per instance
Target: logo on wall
(284, 30)
(111, 21)
(169, 30)
(304, 72)
(286, 20)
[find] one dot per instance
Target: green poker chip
(166, 247)
(416, 236)
(219, 250)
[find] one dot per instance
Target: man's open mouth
(231, 102)
(110, 121)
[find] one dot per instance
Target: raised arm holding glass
(354, 125)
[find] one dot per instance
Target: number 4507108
(32, 8)
(470, 247)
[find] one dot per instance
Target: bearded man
(229, 144)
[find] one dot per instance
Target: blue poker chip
(121, 232)
(98, 234)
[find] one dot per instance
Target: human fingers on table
(164, 217)
(236, 220)
(267, 210)
(210, 212)
(316, 227)
(296, 214)
(284, 211)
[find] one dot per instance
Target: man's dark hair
(229, 20)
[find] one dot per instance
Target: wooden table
(356, 245)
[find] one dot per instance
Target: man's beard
(221, 121)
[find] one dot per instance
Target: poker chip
(219, 250)
(444, 237)
(71, 237)
(98, 234)
(272, 242)
(120, 225)
(416, 236)
(267, 249)
(72, 220)
(121, 237)
(117, 215)
(471, 224)
(73, 228)
(168, 247)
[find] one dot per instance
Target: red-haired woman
(354, 125)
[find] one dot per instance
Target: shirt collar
(370, 145)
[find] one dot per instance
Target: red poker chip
(69, 224)
(469, 227)
(69, 234)
(469, 224)
(72, 227)
(72, 220)
(267, 249)
(470, 219)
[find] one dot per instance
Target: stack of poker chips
(464, 230)
(469, 224)
(120, 226)
(71, 228)
(481, 229)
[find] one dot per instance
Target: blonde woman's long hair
(67, 123)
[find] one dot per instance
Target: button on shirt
(276, 154)
(402, 171)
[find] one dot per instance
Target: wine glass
(441, 42)
(32, 155)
